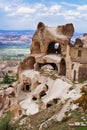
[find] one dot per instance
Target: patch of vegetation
(2, 83)
(81, 128)
(65, 118)
(9, 79)
(4, 121)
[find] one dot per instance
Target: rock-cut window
(79, 53)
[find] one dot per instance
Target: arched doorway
(63, 67)
(54, 48)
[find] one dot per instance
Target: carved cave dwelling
(52, 46)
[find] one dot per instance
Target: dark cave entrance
(48, 105)
(54, 48)
(27, 87)
(52, 64)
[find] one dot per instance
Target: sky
(25, 14)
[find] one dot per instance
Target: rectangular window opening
(79, 53)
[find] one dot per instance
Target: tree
(6, 79)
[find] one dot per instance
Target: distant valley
(16, 37)
(15, 44)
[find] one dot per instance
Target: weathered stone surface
(16, 111)
(11, 91)
(44, 35)
(30, 78)
(27, 63)
(40, 91)
(44, 51)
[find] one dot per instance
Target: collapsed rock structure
(52, 46)
(52, 56)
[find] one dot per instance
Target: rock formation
(45, 77)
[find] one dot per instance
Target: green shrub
(4, 121)
(9, 79)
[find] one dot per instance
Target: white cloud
(82, 8)
(26, 10)
(71, 14)
(68, 4)
(36, 10)
(11, 14)
(7, 9)
(39, 10)
(55, 8)
(51, 13)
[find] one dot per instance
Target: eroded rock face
(67, 30)
(27, 63)
(42, 76)
(49, 46)
(7, 98)
(16, 111)
(45, 35)
(40, 91)
(4, 101)
(29, 80)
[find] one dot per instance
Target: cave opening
(52, 64)
(34, 98)
(48, 105)
(54, 48)
(27, 87)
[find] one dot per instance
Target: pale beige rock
(52, 56)
(11, 91)
(39, 91)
